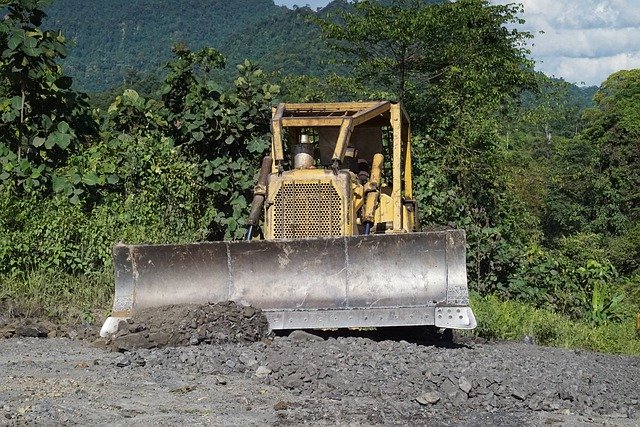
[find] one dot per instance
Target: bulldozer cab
(347, 163)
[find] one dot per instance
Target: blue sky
(583, 41)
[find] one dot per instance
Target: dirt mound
(190, 324)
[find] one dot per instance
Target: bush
(513, 320)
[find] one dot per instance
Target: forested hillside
(542, 177)
(117, 39)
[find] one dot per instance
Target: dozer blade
(361, 281)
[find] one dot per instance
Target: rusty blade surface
(376, 280)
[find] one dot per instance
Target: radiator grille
(307, 210)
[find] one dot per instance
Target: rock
(302, 336)
(132, 341)
(160, 338)
(34, 331)
(518, 394)
(262, 371)
(122, 361)
(248, 311)
(283, 405)
(465, 385)
(448, 388)
(248, 361)
(7, 332)
(429, 398)
(100, 343)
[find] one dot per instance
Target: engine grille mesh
(307, 209)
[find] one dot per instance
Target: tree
(223, 131)
(412, 45)
(386, 41)
(613, 128)
(42, 117)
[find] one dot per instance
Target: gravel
(234, 373)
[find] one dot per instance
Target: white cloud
(589, 71)
(583, 41)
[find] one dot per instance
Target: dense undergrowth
(549, 199)
(513, 321)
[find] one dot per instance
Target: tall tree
(614, 128)
(411, 45)
(42, 117)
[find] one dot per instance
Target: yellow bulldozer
(331, 241)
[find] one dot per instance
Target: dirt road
(304, 378)
(216, 364)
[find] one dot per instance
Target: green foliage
(176, 170)
(512, 320)
(60, 297)
(114, 45)
(43, 120)
(224, 133)
(614, 129)
(388, 41)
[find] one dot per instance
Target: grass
(61, 298)
(511, 320)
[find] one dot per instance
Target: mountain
(116, 38)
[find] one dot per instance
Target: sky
(583, 41)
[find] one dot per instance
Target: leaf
(64, 82)
(52, 139)
(59, 184)
(16, 103)
(38, 141)
(63, 127)
(90, 178)
(31, 51)
(30, 42)
(14, 42)
(64, 140)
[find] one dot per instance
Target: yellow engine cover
(305, 203)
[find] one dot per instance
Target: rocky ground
(217, 365)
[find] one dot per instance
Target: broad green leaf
(31, 51)
(14, 42)
(64, 141)
(63, 127)
(90, 178)
(16, 103)
(59, 183)
(51, 141)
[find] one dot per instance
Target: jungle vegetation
(542, 174)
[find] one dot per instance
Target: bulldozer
(332, 237)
